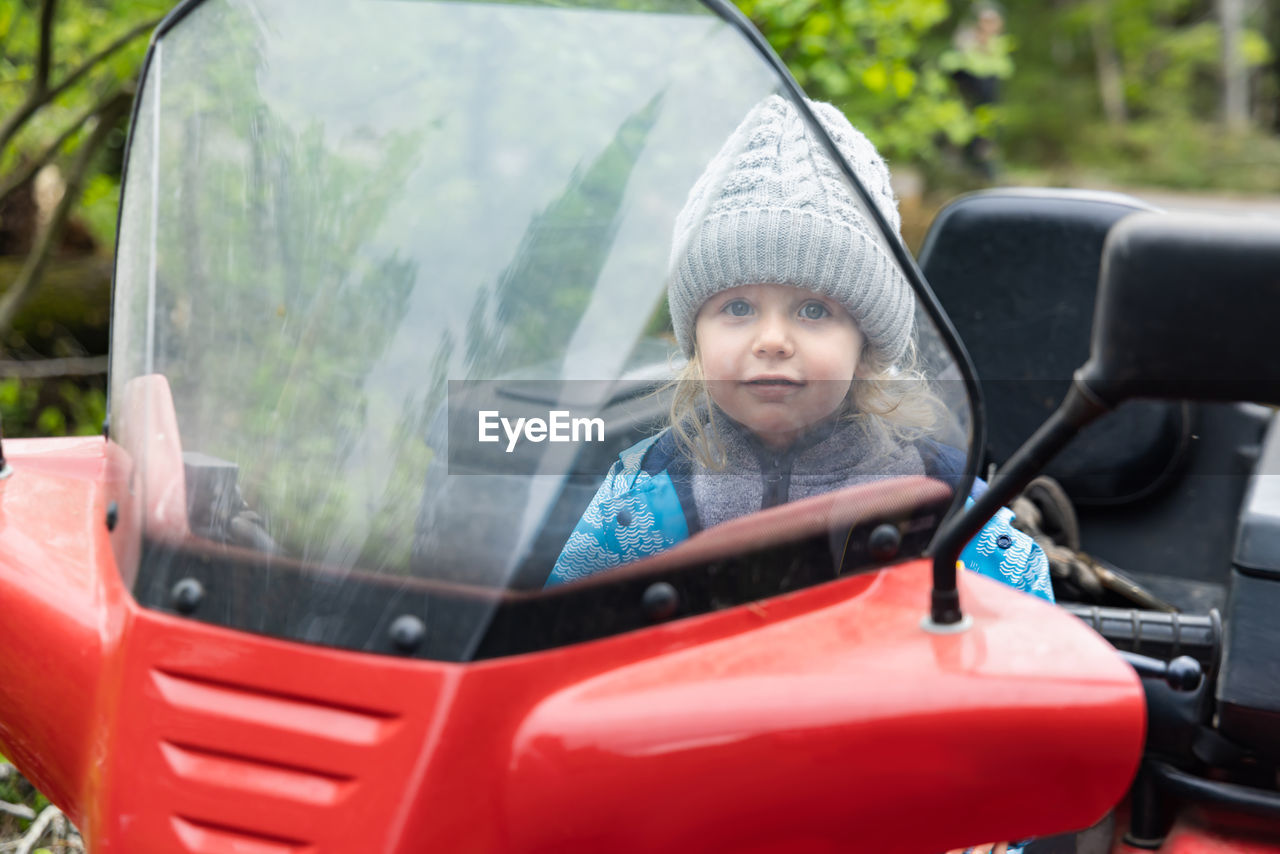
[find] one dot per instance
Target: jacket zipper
(776, 474)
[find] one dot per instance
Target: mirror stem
(1079, 408)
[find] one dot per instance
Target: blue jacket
(641, 509)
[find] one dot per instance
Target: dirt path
(918, 213)
(1259, 207)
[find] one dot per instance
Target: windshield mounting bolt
(407, 633)
(884, 542)
(186, 595)
(660, 601)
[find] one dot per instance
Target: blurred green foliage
(51, 407)
(54, 86)
(82, 30)
(15, 789)
(876, 60)
(879, 60)
(1169, 51)
(884, 63)
(1164, 129)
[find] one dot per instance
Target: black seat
(1017, 270)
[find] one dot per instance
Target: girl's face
(777, 359)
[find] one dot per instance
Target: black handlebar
(1157, 635)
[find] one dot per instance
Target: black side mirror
(1186, 310)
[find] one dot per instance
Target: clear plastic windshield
(415, 343)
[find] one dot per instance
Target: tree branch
(86, 66)
(17, 179)
(21, 811)
(38, 829)
(44, 53)
(33, 269)
(38, 94)
(37, 100)
(39, 369)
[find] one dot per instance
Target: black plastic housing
(1249, 687)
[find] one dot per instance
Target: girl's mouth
(774, 381)
(776, 389)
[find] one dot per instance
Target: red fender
(822, 720)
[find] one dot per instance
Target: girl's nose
(773, 338)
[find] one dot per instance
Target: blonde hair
(890, 404)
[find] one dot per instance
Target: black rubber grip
(1156, 633)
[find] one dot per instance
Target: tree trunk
(68, 314)
(1235, 77)
(1110, 73)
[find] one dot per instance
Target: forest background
(1181, 94)
(1175, 94)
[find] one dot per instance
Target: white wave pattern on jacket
(601, 541)
(583, 556)
(1021, 563)
(640, 535)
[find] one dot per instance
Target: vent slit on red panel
(277, 695)
(201, 837)
(254, 777)
(218, 753)
(204, 698)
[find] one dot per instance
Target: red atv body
(796, 724)
(283, 606)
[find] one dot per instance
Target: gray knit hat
(773, 207)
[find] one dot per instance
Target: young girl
(801, 379)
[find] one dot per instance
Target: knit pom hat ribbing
(773, 207)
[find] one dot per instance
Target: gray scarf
(832, 455)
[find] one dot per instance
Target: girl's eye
(814, 311)
(737, 308)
